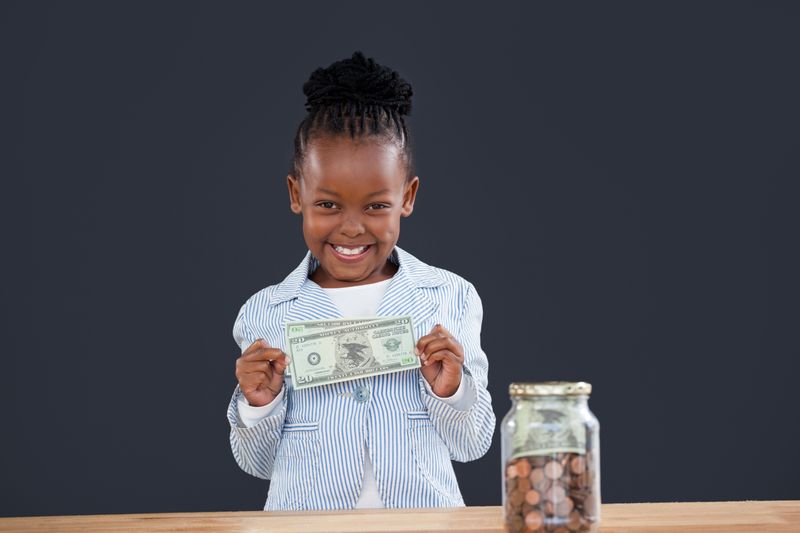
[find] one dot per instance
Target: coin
(523, 468)
(534, 520)
(577, 465)
(574, 522)
(511, 471)
(556, 491)
(556, 494)
(516, 497)
(563, 508)
(537, 476)
(553, 470)
(532, 497)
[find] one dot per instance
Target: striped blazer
(312, 447)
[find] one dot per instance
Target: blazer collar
(401, 297)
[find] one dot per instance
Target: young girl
(383, 441)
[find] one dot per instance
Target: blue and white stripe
(312, 447)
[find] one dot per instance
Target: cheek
(316, 226)
(386, 230)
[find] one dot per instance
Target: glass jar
(550, 446)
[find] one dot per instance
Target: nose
(352, 226)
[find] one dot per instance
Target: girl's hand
(442, 357)
(260, 372)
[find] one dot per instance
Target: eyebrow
(334, 193)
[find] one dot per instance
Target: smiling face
(351, 195)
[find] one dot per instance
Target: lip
(350, 258)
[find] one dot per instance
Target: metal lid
(550, 388)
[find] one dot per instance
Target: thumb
(429, 372)
(278, 371)
(279, 365)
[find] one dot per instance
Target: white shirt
(358, 301)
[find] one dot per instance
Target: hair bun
(358, 80)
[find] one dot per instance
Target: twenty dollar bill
(323, 353)
(307, 327)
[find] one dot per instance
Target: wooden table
(773, 516)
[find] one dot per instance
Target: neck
(326, 281)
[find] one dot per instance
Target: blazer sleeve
(253, 447)
(467, 433)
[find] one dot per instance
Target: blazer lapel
(404, 298)
(408, 293)
(312, 303)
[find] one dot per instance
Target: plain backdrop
(619, 180)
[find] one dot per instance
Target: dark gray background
(618, 180)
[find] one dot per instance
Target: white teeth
(350, 251)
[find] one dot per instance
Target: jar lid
(550, 388)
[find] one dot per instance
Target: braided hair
(355, 97)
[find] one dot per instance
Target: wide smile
(350, 253)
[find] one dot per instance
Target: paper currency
(323, 352)
(306, 327)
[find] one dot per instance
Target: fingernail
(416, 351)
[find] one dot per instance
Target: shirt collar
(411, 272)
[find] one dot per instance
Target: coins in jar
(551, 459)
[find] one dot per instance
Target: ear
(294, 194)
(409, 195)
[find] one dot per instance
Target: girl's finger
(264, 354)
(251, 382)
(442, 330)
(442, 344)
(279, 365)
(434, 346)
(249, 367)
(443, 355)
(258, 344)
(275, 381)
(422, 342)
(426, 339)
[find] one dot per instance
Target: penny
(553, 470)
(554, 490)
(537, 476)
(534, 520)
(548, 508)
(556, 494)
(523, 468)
(574, 522)
(564, 507)
(578, 495)
(532, 497)
(580, 481)
(578, 464)
(516, 497)
(511, 471)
